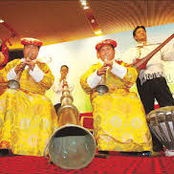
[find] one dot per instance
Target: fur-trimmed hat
(106, 42)
(31, 41)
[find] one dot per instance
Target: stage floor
(114, 164)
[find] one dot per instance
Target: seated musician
(3, 61)
(3, 54)
(27, 116)
(119, 117)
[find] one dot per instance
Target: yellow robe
(119, 117)
(27, 117)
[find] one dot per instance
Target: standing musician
(57, 86)
(27, 116)
(119, 117)
(151, 83)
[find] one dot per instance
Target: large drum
(161, 122)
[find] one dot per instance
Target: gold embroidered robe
(27, 117)
(119, 117)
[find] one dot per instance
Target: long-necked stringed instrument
(4, 46)
(141, 63)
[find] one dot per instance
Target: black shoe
(103, 152)
(144, 153)
(157, 148)
(4, 152)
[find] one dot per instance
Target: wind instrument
(71, 146)
(102, 88)
(14, 83)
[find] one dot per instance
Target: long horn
(71, 146)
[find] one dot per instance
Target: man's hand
(63, 76)
(20, 67)
(102, 70)
(65, 84)
(109, 63)
(30, 64)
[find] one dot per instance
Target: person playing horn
(57, 86)
(3, 54)
(119, 117)
(27, 116)
(151, 83)
(2, 65)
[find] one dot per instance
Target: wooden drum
(161, 122)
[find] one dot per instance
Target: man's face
(64, 71)
(31, 51)
(140, 35)
(106, 52)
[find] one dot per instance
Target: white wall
(81, 54)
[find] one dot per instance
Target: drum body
(161, 122)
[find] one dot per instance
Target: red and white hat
(106, 42)
(31, 41)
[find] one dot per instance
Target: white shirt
(118, 70)
(57, 88)
(37, 74)
(154, 65)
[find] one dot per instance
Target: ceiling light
(84, 3)
(92, 21)
(1, 21)
(85, 7)
(98, 32)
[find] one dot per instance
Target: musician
(119, 117)
(151, 82)
(3, 54)
(27, 116)
(3, 61)
(57, 86)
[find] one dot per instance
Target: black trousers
(57, 106)
(155, 89)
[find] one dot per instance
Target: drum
(161, 122)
